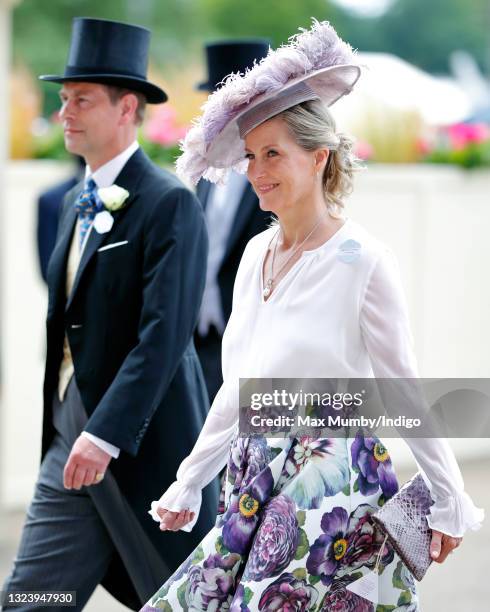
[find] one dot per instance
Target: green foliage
(42, 32)
(301, 516)
(423, 33)
(159, 154)
(473, 155)
(247, 595)
(300, 573)
(51, 144)
(198, 555)
(405, 598)
(181, 596)
(303, 545)
(164, 606)
(220, 547)
(274, 19)
(397, 577)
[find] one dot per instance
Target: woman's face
(282, 173)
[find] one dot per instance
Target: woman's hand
(441, 545)
(173, 521)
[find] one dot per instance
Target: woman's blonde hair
(313, 127)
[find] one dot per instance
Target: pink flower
(462, 134)
(363, 150)
(424, 147)
(162, 127)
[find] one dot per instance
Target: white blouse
(339, 312)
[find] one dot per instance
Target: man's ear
(129, 104)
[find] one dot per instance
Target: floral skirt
(294, 529)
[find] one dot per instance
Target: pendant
(268, 288)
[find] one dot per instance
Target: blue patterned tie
(87, 206)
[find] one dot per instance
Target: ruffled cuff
(176, 498)
(454, 515)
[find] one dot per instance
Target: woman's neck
(298, 221)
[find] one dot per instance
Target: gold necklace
(269, 284)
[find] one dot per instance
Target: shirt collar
(107, 174)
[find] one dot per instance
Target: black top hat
(227, 56)
(111, 53)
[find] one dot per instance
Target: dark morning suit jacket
(249, 221)
(130, 319)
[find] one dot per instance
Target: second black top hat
(111, 52)
(227, 56)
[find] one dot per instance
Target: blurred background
(421, 118)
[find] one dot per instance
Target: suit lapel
(247, 206)
(129, 178)
(202, 192)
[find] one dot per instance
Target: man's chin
(72, 146)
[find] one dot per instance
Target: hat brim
(328, 84)
(153, 93)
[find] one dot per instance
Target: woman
(315, 297)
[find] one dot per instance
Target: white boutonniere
(113, 198)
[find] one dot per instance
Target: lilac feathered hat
(315, 64)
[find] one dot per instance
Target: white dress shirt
(335, 314)
(103, 177)
(221, 209)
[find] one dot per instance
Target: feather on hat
(316, 63)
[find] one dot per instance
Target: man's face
(90, 120)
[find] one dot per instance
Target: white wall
(435, 218)
(23, 307)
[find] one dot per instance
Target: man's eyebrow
(78, 91)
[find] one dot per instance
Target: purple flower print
(276, 540)
(258, 456)
(289, 594)
(348, 542)
(329, 549)
(373, 464)
(211, 586)
(339, 599)
(238, 604)
(248, 457)
(242, 516)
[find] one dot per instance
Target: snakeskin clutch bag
(403, 518)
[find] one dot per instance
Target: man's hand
(441, 545)
(173, 521)
(86, 464)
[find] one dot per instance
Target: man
(233, 217)
(124, 397)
